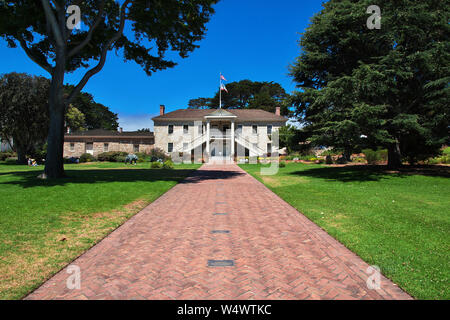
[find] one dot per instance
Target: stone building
(98, 141)
(218, 134)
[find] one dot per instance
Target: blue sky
(246, 39)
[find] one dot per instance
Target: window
(136, 148)
(170, 128)
(170, 147)
(72, 147)
(269, 129)
(269, 148)
(105, 147)
(200, 129)
(255, 129)
(239, 129)
(185, 146)
(186, 129)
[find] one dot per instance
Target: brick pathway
(163, 252)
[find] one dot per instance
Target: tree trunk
(348, 155)
(21, 155)
(54, 164)
(394, 156)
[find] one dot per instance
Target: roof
(109, 133)
(240, 114)
(220, 113)
(100, 135)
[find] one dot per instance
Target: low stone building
(98, 141)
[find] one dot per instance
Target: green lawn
(46, 224)
(399, 222)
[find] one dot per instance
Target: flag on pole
(222, 87)
(223, 78)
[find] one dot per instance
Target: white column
(208, 136)
(232, 140)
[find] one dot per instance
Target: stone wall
(98, 147)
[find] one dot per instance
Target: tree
(386, 87)
(199, 103)
(75, 119)
(39, 27)
(247, 94)
(24, 112)
(144, 130)
(97, 116)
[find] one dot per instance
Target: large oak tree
(155, 26)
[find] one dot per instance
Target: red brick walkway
(163, 252)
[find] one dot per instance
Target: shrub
(282, 164)
(11, 160)
(330, 152)
(439, 160)
(5, 155)
(341, 160)
(119, 159)
(328, 159)
(156, 165)
(112, 156)
(87, 157)
(359, 160)
(158, 154)
(372, 157)
(168, 164)
(71, 160)
(142, 157)
(40, 153)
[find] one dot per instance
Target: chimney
(121, 130)
(278, 111)
(162, 109)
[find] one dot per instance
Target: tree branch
(53, 23)
(102, 61)
(44, 65)
(88, 38)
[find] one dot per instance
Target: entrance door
(90, 148)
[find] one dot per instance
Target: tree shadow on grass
(369, 173)
(28, 179)
(204, 175)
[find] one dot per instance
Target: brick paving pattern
(164, 252)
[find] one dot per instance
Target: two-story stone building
(218, 133)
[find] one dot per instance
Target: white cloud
(133, 122)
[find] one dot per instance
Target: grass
(44, 225)
(399, 222)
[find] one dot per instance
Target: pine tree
(388, 85)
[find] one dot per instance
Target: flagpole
(220, 91)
